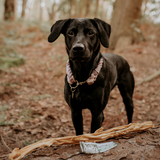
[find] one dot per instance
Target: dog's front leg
(97, 120)
(77, 120)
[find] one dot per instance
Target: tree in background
(125, 22)
(44, 10)
(9, 11)
(41, 11)
(23, 8)
(81, 6)
(96, 8)
(88, 4)
(71, 8)
(51, 11)
(75, 9)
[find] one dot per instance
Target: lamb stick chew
(98, 136)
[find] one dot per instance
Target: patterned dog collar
(90, 80)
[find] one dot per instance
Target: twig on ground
(155, 75)
(12, 139)
(5, 155)
(4, 143)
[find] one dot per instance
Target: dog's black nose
(78, 48)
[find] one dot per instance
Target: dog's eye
(90, 33)
(71, 33)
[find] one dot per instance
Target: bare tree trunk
(145, 3)
(102, 11)
(71, 8)
(88, 4)
(52, 13)
(81, 8)
(125, 23)
(53, 10)
(41, 11)
(96, 8)
(23, 8)
(1, 10)
(75, 9)
(9, 12)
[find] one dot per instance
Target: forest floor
(32, 105)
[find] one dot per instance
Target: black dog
(90, 75)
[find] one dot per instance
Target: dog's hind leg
(126, 87)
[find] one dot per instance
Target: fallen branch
(155, 75)
(4, 143)
(98, 136)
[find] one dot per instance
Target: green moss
(7, 62)
(10, 58)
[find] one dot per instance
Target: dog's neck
(83, 70)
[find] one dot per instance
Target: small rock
(139, 141)
(97, 157)
(158, 118)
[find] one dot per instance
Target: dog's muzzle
(78, 48)
(80, 53)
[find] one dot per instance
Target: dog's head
(82, 36)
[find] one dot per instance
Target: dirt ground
(32, 105)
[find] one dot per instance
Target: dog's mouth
(80, 56)
(80, 59)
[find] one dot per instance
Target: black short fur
(83, 38)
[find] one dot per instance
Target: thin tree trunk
(23, 8)
(145, 7)
(9, 12)
(102, 11)
(1, 10)
(71, 8)
(81, 8)
(41, 11)
(96, 8)
(75, 9)
(88, 4)
(52, 12)
(125, 23)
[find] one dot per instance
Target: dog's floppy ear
(57, 29)
(104, 31)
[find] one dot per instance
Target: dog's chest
(82, 93)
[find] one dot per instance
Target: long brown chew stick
(98, 136)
